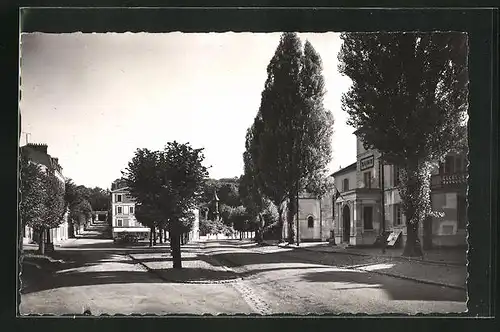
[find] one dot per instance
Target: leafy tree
(171, 182)
(99, 199)
(228, 192)
(408, 100)
(33, 195)
(79, 207)
(81, 210)
(290, 140)
(149, 216)
(225, 213)
(273, 133)
(54, 204)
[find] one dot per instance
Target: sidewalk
(197, 268)
(445, 271)
(451, 256)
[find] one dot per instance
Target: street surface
(102, 277)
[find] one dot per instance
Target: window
(345, 186)
(459, 165)
(119, 210)
(368, 217)
(396, 175)
(119, 222)
(367, 177)
(449, 165)
(131, 210)
(310, 222)
(397, 214)
(118, 197)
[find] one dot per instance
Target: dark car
(128, 238)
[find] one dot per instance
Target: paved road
(305, 282)
(100, 276)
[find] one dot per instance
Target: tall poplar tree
(291, 136)
(408, 99)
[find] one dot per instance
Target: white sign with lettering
(366, 163)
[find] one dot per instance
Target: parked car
(128, 238)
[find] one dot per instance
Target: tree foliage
(54, 199)
(76, 201)
(288, 146)
(408, 99)
(167, 185)
(31, 207)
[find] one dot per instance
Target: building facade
(37, 153)
(123, 215)
(359, 209)
(315, 218)
(123, 220)
(354, 215)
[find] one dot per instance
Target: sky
(95, 98)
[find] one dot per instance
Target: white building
(355, 216)
(124, 220)
(123, 213)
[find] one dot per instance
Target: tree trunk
(290, 219)
(154, 236)
(151, 232)
(412, 245)
(427, 240)
(175, 243)
(280, 221)
(161, 236)
(71, 229)
(415, 195)
(41, 242)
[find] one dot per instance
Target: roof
(345, 169)
(40, 156)
(120, 189)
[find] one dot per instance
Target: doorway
(346, 215)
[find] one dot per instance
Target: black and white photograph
(243, 173)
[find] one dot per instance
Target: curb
(429, 262)
(159, 275)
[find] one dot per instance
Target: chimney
(38, 147)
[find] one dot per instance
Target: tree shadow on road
(194, 275)
(396, 289)
(76, 279)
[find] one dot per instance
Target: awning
(130, 230)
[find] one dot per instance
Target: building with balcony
(358, 211)
(354, 215)
(449, 196)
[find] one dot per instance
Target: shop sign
(366, 163)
